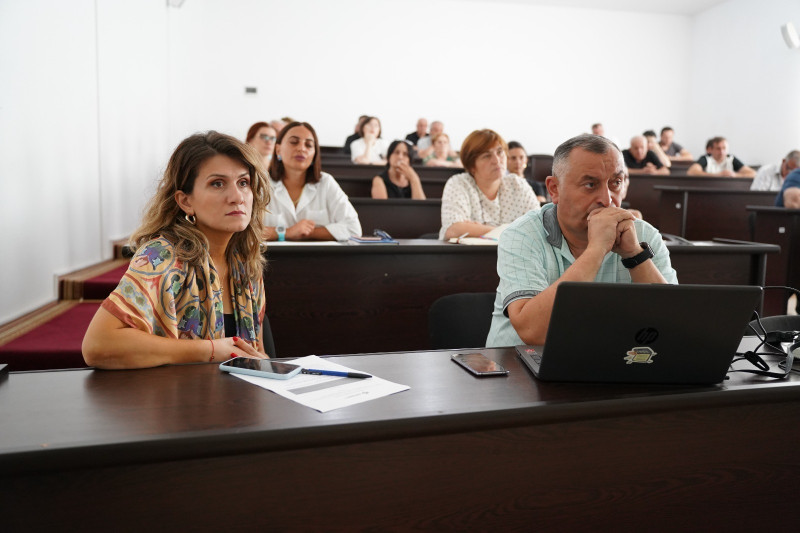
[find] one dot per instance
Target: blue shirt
(533, 253)
(792, 180)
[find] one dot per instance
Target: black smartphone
(479, 365)
(263, 368)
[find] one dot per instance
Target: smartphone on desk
(479, 365)
(263, 368)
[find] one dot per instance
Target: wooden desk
(701, 213)
(361, 186)
(189, 448)
(348, 169)
(643, 196)
(376, 298)
(402, 219)
(777, 225)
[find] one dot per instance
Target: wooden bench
(361, 187)
(400, 218)
(781, 226)
(643, 196)
(702, 213)
(347, 169)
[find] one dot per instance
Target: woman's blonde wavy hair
(164, 218)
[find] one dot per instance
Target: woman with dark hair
(261, 136)
(398, 179)
(194, 290)
(486, 195)
(307, 204)
(370, 148)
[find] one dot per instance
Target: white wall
(132, 44)
(48, 147)
(95, 94)
(82, 135)
(745, 82)
(535, 74)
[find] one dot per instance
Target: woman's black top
(393, 190)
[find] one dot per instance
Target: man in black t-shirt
(421, 132)
(640, 160)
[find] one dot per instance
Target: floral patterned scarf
(162, 295)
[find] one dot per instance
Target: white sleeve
(455, 205)
(357, 149)
(343, 216)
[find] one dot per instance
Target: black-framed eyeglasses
(265, 137)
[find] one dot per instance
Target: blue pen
(335, 373)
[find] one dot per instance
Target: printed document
(325, 393)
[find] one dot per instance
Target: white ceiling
(672, 7)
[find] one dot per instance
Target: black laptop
(642, 333)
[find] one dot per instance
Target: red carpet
(99, 287)
(54, 344)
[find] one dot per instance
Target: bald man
(640, 160)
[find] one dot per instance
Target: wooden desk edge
(207, 444)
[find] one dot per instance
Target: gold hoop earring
(191, 219)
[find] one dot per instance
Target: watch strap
(641, 257)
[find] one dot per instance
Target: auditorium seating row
(721, 207)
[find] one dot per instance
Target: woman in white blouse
(306, 203)
(484, 197)
(370, 149)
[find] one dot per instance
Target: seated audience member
(398, 179)
(425, 145)
(673, 150)
(420, 133)
(599, 129)
(771, 177)
(486, 196)
(640, 160)
(442, 155)
(261, 136)
(583, 235)
(370, 148)
(356, 134)
(653, 146)
(307, 204)
(789, 196)
(194, 290)
(517, 163)
(277, 124)
(720, 162)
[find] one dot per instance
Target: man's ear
(552, 188)
(184, 202)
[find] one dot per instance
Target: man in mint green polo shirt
(584, 235)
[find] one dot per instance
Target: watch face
(280, 229)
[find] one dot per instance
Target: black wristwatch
(641, 257)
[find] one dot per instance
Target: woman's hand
(370, 137)
(229, 347)
(408, 171)
(302, 230)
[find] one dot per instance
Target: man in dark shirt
(422, 131)
(719, 162)
(640, 160)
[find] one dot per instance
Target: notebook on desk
(642, 333)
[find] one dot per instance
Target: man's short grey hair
(591, 143)
(794, 155)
